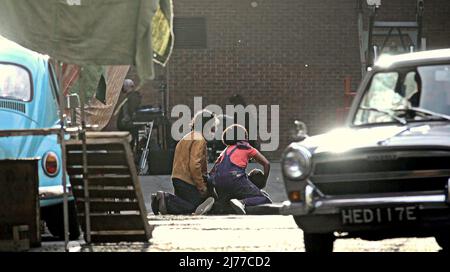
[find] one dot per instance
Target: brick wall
(293, 53)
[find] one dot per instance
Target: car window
(435, 88)
(15, 82)
(381, 95)
(391, 93)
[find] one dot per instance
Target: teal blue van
(28, 100)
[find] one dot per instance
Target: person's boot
(161, 196)
(238, 206)
(205, 207)
(154, 204)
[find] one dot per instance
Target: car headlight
(296, 162)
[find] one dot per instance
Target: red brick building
(293, 53)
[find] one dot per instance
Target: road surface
(236, 233)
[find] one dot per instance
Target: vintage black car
(386, 173)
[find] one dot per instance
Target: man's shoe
(238, 206)
(205, 207)
(161, 196)
(155, 204)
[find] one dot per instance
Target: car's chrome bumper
(50, 192)
(333, 205)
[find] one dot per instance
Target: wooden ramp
(116, 209)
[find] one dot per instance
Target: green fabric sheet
(85, 32)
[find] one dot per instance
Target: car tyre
(318, 242)
(53, 216)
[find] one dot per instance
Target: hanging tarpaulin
(99, 112)
(71, 74)
(162, 32)
(84, 32)
(92, 75)
(99, 109)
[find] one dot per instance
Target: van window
(15, 82)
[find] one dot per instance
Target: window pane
(190, 33)
(14, 83)
(381, 95)
(435, 88)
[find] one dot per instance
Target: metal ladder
(409, 33)
(146, 151)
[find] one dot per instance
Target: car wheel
(318, 242)
(443, 240)
(53, 216)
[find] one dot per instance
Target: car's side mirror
(73, 103)
(301, 130)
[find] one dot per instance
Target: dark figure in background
(236, 100)
(415, 98)
(127, 110)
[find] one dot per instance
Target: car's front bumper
(333, 205)
(324, 215)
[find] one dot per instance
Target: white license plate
(378, 215)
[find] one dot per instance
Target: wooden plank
(96, 205)
(107, 134)
(116, 222)
(72, 146)
(96, 238)
(110, 214)
(29, 132)
(100, 142)
(108, 180)
(112, 157)
(99, 169)
(137, 185)
(118, 232)
(96, 192)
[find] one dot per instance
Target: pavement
(233, 233)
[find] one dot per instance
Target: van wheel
(318, 242)
(53, 216)
(443, 240)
